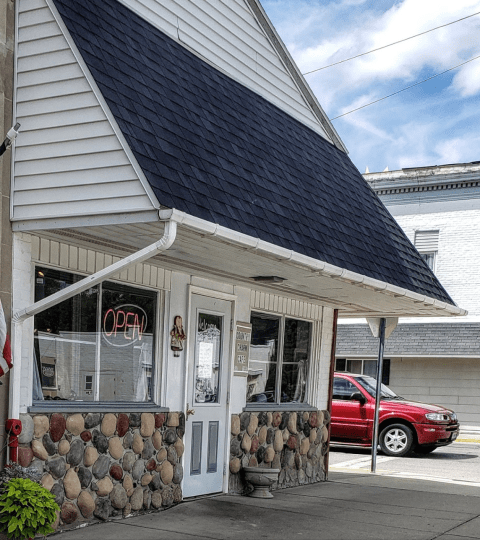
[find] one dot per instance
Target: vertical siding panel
(289, 306)
(54, 253)
(35, 248)
(82, 260)
(252, 299)
(99, 261)
(73, 258)
(64, 255)
(271, 303)
(153, 276)
(90, 261)
(124, 275)
(168, 280)
(275, 303)
(139, 274)
(131, 273)
(108, 260)
(146, 274)
(44, 250)
(161, 275)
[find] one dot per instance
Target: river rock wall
(294, 442)
(104, 465)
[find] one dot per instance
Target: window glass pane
(296, 352)
(65, 339)
(263, 359)
(343, 389)
(370, 368)
(340, 364)
(126, 353)
(429, 258)
(208, 350)
(354, 366)
(72, 361)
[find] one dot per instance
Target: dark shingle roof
(422, 339)
(215, 149)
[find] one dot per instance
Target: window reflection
(96, 346)
(267, 363)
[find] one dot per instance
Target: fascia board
(341, 274)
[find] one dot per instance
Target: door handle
(189, 411)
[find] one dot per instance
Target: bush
(26, 509)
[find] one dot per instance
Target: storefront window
(96, 346)
(279, 359)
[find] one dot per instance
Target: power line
(394, 43)
(403, 89)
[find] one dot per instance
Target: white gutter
(322, 268)
(19, 317)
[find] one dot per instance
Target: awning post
(378, 393)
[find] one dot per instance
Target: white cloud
(430, 124)
(467, 80)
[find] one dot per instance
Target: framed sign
(243, 337)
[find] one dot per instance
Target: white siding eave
(70, 150)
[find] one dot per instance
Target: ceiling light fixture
(269, 279)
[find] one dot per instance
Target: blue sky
(435, 123)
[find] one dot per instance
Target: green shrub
(26, 509)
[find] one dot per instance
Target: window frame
(158, 394)
(276, 405)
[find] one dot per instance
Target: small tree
(26, 509)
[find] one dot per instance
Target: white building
(436, 361)
(178, 195)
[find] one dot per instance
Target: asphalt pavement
(350, 506)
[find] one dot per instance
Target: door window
(208, 353)
(343, 389)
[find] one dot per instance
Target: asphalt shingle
(181, 116)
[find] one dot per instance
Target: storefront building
(185, 233)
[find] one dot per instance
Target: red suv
(405, 426)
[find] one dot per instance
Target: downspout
(19, 317)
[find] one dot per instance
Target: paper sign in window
(205, 360)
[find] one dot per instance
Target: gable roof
(216, 150)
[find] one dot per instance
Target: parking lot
(458, 463)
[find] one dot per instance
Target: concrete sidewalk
(348, 506)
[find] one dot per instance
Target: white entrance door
(205, 429)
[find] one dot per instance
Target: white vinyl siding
(89, 261)
(68, 151)
(227, 34)
(451, 382)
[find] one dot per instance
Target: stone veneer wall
(104, 465)
(294, 442)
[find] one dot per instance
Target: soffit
(212, 258)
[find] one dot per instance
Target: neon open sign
(124, 325)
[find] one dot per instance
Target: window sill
(88, 406)
(287, 407)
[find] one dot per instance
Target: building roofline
(432, 178)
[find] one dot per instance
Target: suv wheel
(396, 440)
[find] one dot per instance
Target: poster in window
(48, 373)
(243, 337)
